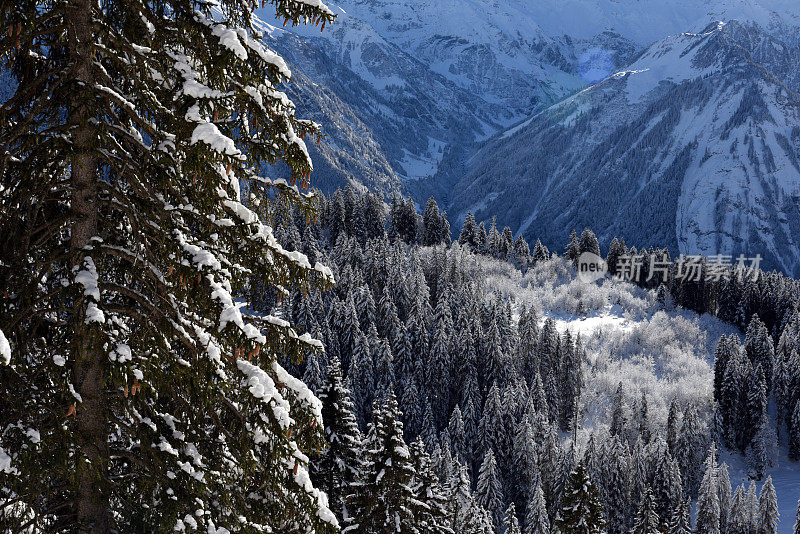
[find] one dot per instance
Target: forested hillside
(475, 370)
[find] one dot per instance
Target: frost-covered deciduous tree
(140, 394)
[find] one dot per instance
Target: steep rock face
(694, 146)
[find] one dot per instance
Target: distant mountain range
(640, 118)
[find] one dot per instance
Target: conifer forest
(399, 267)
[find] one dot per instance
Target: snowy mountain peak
(694, 146)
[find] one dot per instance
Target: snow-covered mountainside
(523, 53)
(388, 119)
(694, 146)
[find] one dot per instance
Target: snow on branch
(5, 349)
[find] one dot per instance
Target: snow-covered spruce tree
(646, 520)
(383, 499)
(139, 395)
(540, 252)
(768, 517)
(510, 521)
(581, 511)
(536, 519)
(431, 512)
(681, 520)
(489, 490)
(724, 492)
(738, 516)
(588, 242)
(618, 419)
(573, 248)
(708, 509)
(467, 515)
(340, 464)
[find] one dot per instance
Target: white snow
(208, 133)
(87, 277)
(230, 40)
(5, 463)
(5, 349)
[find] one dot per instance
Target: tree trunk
(91, 496)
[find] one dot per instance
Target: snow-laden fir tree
(673, 428)
(708, 509)
(618, 419)
(383, 500)
(680, 521)
(724, 492)
(536, 518)
(616, 481)
(468, 233)
(155, 400)
(467, 515)
(665, 480)
(751, 507)
(768, 516)
(340, 465)
(436, 228)
(738, 514)
(646, 520)
(573, 248)
(691, 445)
(581, 511)
(588, 242)
(540, 252)
(524, 462)
(796, 529)
(432, 515)
(489, 491)
(762, 448)
(510, 521)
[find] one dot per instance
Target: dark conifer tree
(673, 428)
(573, 249)
(340, 465)
(469, 232)
(131, 133)
(618, 418)
(581, 511)
(768, 517)
(615, 250)
(681, 519)
(489, 490)
(431, 514)
(540, 252)
(588, 242)
(383, 499)
(536, 518)
(647, 520)
(511, 521)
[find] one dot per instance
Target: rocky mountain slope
(689, 142)
(694, 146)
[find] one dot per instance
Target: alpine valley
(671, 123)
